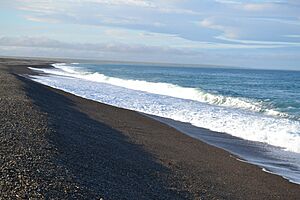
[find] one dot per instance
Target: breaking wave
(167, 89)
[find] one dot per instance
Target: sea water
(260, 107)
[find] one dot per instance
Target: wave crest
(166, 89)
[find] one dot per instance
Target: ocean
(254, 114)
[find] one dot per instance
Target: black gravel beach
(54, 145)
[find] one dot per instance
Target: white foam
(167, 89)
(281, 132)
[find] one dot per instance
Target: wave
(244, 124)
(167, 89)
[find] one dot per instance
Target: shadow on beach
(97, 156)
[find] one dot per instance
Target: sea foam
(178, 103)
(167, 89)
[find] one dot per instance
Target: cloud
(257, 6)
(294, 22)
(164, 27)
(166, 6)
(109, 20)
(48, 7)
(153, 15)
(292, 36)
(42, 42)
(46, 4)
(42, 19)
(181, 46)
(229, 32)
(164, 16)
(138, 3)
(227, 2)
(281, 44)
(45, 47)
(250, 6)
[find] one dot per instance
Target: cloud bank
(158, 30)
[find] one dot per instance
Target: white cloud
(166, 6)
(138, 3)
(110, 20)
(180, 47)
(257, 6)
(48, 6)
(227, 2)
(41, 19)
(42, 42)
(229, 32)
(250, 42)
(249, 6)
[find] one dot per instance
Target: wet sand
(57, 145)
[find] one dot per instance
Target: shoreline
(257, 153)
(190, 170)
(251, 152)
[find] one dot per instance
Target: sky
(250, 33)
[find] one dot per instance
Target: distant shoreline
(96, 150)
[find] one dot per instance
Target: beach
(55, 145)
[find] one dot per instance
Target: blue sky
(249, 33)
